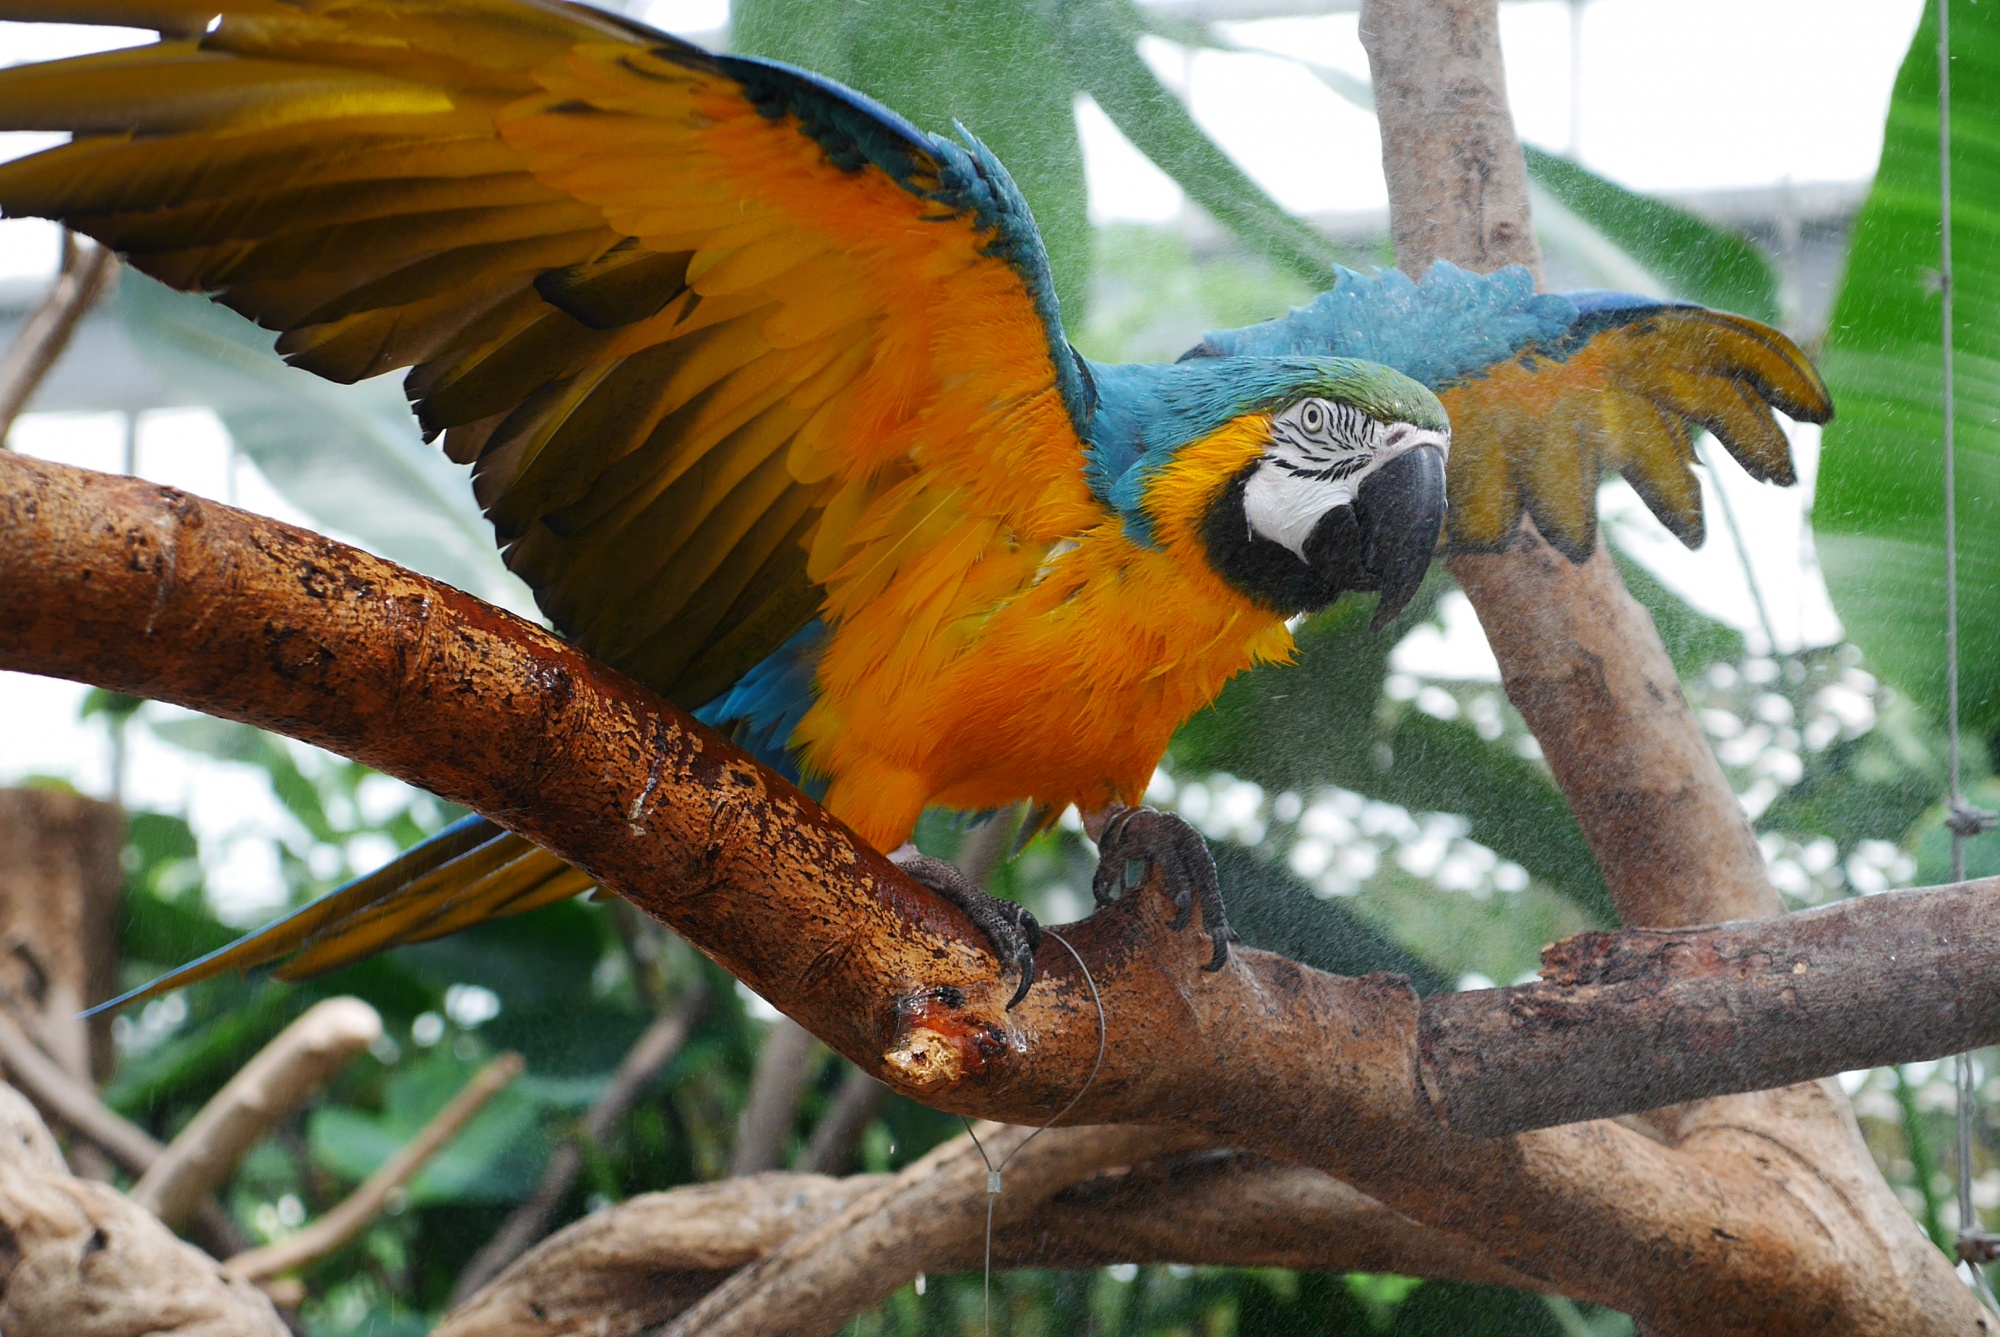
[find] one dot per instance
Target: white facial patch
(1320, 453)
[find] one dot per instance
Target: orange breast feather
(1054, 667)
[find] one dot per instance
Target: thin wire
(993, 1173)
(1964, 821)
(1742, 554)
(1950, 428)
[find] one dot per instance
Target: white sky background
(1675, 95)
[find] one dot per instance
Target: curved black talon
(1012, 932)
(1146, 838)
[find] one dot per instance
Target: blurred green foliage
(1692, 258)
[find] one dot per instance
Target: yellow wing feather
(1535, 433)
(711, 382)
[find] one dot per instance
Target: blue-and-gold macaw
(767, 396)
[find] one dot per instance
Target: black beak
(1401, 509)
(1385, 540)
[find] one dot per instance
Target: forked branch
(147, 590)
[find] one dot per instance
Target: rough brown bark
(1585, 667)
(633, 1267)
(81, 1260)
(145, 589)
(1632, 1021)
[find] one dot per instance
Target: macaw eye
(1312, 417)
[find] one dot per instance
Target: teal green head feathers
(1344, 491)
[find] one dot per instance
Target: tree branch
(1584, 665)
(360, 1207)
(82, 1260)
(283, 1075)
(86, 275)
(937, 1204)
(784, 1062)
(635, 1266)
(72, 1104)
(652, 1052)
(1632, 1021)
(836, 1139)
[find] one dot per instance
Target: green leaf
(1315, 723)
(1460, 1309)
(229, 741)
(1100, 43)
(1878, 516)
(349, 456)
(1692, 257)
(991, 65)
(196, 1061)
(1276, 912)
(495, 1158)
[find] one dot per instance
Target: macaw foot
(1136, 839)
(1009, 928)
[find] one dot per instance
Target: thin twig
(45, 334)
(67, 1101)
(783, 1065)
(653, 1051)
(360, 1207)
(83, 1260)
(284, 1075)
(836, 1139)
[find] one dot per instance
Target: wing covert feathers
(667, 305)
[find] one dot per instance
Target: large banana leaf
(1878, 517)
(1691, 257)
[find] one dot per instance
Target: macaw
(768, 398)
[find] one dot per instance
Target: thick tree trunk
(1584, 665)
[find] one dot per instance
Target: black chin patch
(1270, 574)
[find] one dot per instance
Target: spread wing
(723, 342)
(1546, 392)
